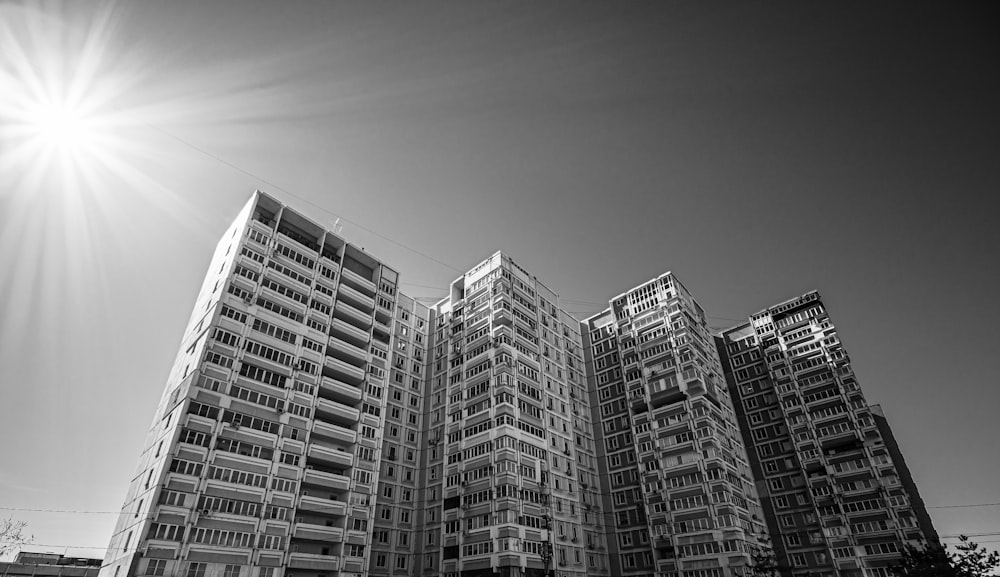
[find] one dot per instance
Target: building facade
(510, 459)
(267, 450)
(318, 422)
(838, 496)
(27, 564)
(674, 471)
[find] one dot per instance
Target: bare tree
(12, 535)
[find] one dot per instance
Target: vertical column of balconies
(395, 541)
(590, 516)
(328, 534)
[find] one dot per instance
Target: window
(232, 571)
(156, 566)
(196, 570)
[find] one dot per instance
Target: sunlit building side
(510, 459)
(675, 476)
(838, 497)
(265, 452)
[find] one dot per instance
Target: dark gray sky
(758, 150)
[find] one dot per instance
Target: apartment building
(674, 472)
(318, 422)
(269, 452)
(838, 497)
(511, 461)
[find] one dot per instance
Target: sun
(62, 126)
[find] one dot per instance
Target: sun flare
(61, 125)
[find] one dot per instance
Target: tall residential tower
(510, 460)
(839, 498)
(674, 473)
(268, 446)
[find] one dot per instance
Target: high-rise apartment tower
(839, 498)
(510, 460)
(674, 473)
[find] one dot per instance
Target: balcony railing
(356, 298)
(326, 409)
(312, 561)
(318, 533)
(324, 479)
(357, 281)
(345, 371)
(339, 390)
(335, 432)
(345, 311)
(330, 455)
(325, 506)
(348, 352)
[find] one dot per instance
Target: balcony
(339, 391)
(328, 410)
(349, 332)
(294, 244)
(345, 371)
(334, 432)
(318, 504)
(356, 298)
(336, 457)
(348, 352)
(360, 319)
(357, 282)
(272, 295)
(311, 561)
(318, 533)
(324, 479)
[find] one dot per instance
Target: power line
(74, 511)
(965, 506)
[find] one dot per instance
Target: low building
(50, 564)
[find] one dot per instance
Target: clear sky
(757, 150)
